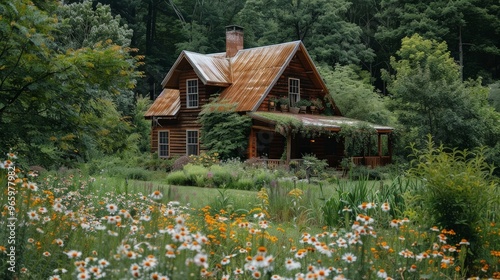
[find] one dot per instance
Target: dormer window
(192, 93)
(293, 91)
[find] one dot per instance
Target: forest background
(76, 76)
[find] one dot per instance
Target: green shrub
(195, 173)
(153, 162)
(301, 174)
(313, 165)
(177, 178)
(224, 131)
(223, 175)
(262, 178)
(457, 190)
(201, 181)
(244, 184)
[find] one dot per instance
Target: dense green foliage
(366, 33)
(428, 97)
(457, 189)
(63, 99)
(355, 95)
(224, 131)
(358, 139)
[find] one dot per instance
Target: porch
(278, 138)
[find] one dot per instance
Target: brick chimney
(234, 40)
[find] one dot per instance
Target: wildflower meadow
(76, 227)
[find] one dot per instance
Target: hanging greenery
(357, 138)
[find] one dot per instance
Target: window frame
(197, 144)
(192, 98)
(293, 91)
(160, 143)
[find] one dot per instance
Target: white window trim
(167, 144)
(293, 93)
(188, 94)
(197, 141)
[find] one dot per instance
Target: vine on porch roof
(356, 137)
(286, 124)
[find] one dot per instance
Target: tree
(428, 97)
(46, 92)
(494, 97)
(320, 24)
(82, 26)
(470, 28)
(354, 95)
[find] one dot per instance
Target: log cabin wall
(294, 70)
(177, 136)
(187, 118)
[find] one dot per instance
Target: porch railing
(370, 161)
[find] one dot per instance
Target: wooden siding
(177, 137)
(187, 118)
(296, 70)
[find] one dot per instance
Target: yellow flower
(297, 193)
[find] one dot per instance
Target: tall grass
(85, 228)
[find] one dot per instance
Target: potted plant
(316, 104)
(302, 104)
(294, 109)
(284, 102)
(273, 102)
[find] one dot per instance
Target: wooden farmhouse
(258, 81)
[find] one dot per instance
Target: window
(293, 91)
(192, 93)
(192, 142)
(163, 145)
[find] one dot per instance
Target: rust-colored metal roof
(211, 69)
(255, 71)
(247, 77)
(167, 104)
(332, 123)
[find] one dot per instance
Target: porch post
(252, 146)
(288, 147)
(379, 145)
(389, 143)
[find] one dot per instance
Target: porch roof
(167, 104)
(331, 123)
